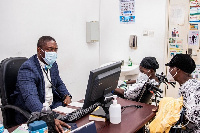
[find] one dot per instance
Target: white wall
(22, 22)
(114, 44)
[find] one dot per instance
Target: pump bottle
(130, 62)
(115, 111)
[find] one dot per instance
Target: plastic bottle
(1, 127)
(115, 111)
(129, 62)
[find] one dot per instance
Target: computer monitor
(101, 83)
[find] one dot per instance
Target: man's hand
(67, 100)
(59, 124)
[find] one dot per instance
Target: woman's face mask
(50, 57)
(170, 78)
(142, 76)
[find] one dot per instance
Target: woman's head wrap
(183, 62)
(149, 63)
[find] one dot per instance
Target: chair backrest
(181, 124)
(9, 68)
(145, 95)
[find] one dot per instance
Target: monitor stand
(107, 101)
(106, 109)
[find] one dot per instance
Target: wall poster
(175, 47)
(194, 11)
(177, 15)
(193, 37)
(127, 11)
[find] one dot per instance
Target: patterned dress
(190, 91)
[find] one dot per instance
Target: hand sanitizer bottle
(130, 62)
(115, 111)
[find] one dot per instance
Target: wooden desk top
(132, 119)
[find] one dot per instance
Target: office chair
(145, 95)
(181, 124)
(8, 76)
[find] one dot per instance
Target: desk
(132, 119)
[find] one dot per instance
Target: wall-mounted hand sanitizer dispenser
(133, 41)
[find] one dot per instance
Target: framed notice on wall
(127, 11)
(193, 37)
(194, 11)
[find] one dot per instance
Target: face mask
(50, 58)
(142, 76)
(170, 78)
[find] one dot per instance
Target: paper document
(76, 104)
(64, 110)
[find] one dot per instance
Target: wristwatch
(70, 96)
(66, 96)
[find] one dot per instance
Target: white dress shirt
(48, 87)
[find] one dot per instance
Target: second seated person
(39, 86)
(147, 69)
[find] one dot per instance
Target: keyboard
(79, 113)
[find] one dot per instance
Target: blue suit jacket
(30, 87)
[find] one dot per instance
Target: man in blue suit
(39, 86)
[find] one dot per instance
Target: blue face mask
(50, 58)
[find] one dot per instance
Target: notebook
(87, 128)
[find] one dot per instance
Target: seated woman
(180, 68)
(147, 68)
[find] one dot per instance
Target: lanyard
(55, 90)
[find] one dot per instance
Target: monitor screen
(101, 83)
